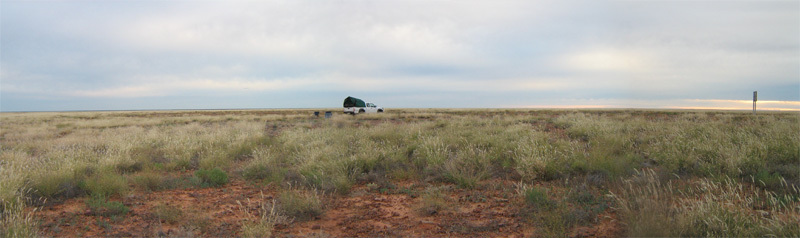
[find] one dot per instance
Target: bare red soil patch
(217, 212)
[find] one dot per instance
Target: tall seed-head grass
(148, 181)
(260, 225)
(15, 221)
(433, 201)
(534, 156)
(704, 208)
(168, 214)
(468, 167)
(301, 205)
(107, 184)
(536, 144)
(535, 198)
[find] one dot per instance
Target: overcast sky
(120, 55)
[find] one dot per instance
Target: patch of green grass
(552, 217)
(586, 206)
(537, 199)
(100, 206)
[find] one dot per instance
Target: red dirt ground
(218, 212)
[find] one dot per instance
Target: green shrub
(212, 178)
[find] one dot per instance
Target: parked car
(355, 106)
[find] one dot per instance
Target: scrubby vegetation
(707, 173)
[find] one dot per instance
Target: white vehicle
(355, 106)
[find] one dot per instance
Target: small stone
(316, 227)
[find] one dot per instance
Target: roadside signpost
(755, 98)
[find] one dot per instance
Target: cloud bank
(118, 55)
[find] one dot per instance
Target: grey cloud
(532, 52)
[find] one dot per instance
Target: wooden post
(755, 98)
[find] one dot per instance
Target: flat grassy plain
(407, 172)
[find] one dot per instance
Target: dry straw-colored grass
(54, 156)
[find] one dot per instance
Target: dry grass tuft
(262, 224)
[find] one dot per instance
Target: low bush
(212, 178)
